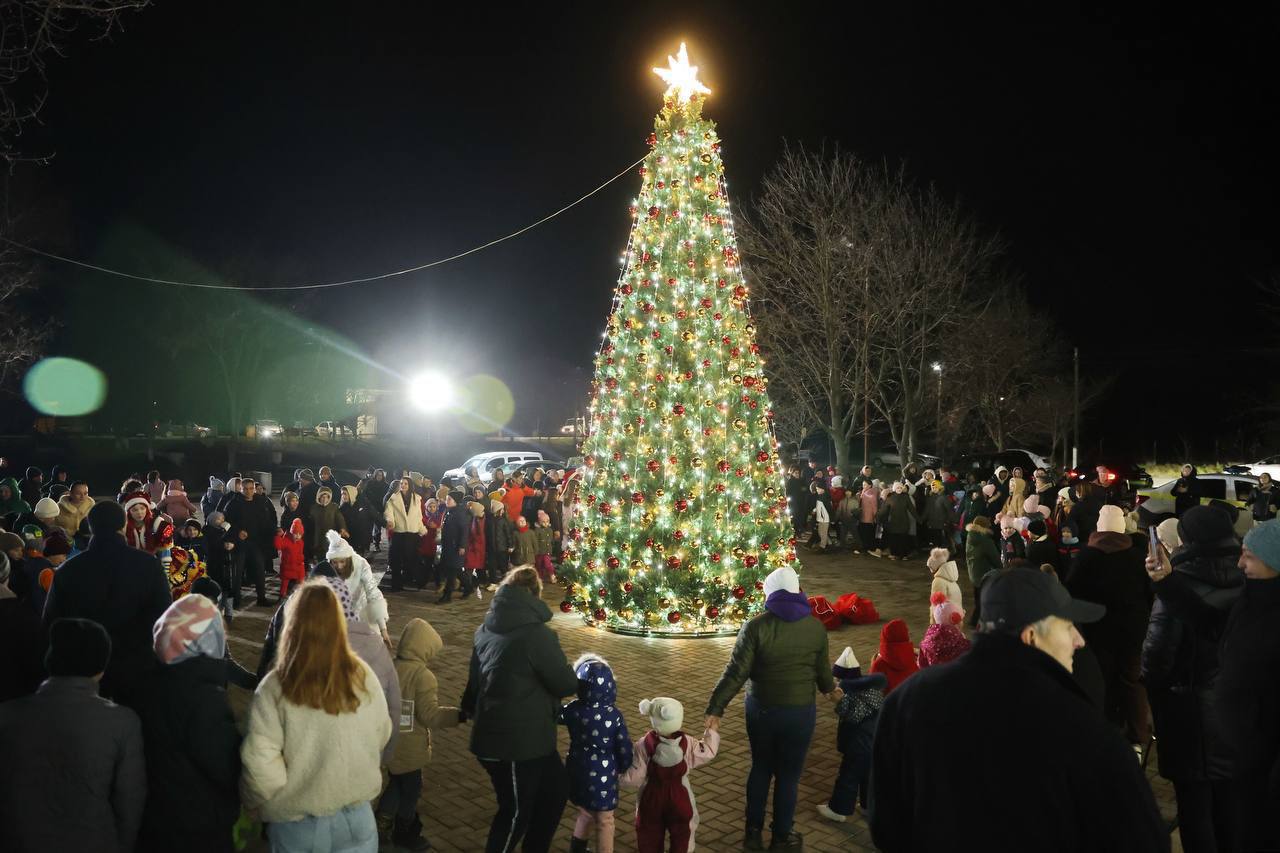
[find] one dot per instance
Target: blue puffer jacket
(599, 746)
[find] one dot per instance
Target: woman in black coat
(1186, 491)
(1180, 664)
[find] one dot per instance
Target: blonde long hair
(315, 664)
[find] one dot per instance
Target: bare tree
(808, 271)
(21, 339)
(928, 262)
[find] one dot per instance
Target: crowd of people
(1089, 643)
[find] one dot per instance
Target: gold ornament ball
(737, 379)
(739, 424)
(739, 553)
(695, 462)
(664, 318)
(770, 492)
(660, 548)
(719, 516)
(660, 492)
(664, 420)
(642, 358)
(686, 336)
(687, 432)
(651, 404)
(628, 429)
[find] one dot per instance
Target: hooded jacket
(1180, 662)
(318, 521)
(518, 675)
(945, 582)
(980, 554)
(526, 547)
(71, 514)
(14, 503)
(781, 655)
(293, 565)
(176, 505)
(420, 711)
(896, 658)
(599, 745)
(897, 512)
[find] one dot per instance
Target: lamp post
(937, 368)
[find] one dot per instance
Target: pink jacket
(176, 505)
(870, 504)
(941, 643)
(668, 753)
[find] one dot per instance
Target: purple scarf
(788, 606)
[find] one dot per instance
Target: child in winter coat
(322, 517)
(945, 577)
(190, 536)
(1012, 545)
(661, 760)
(542, 537)
(869, 500)
(526, 547)
(217, 489)
(599, 750)
(419, 714)
(293, 564)
(499, 542)
(896, 658)
(943, 641)
(474, 560)
(175, 503)
(858, 712)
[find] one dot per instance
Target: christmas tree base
(667, 634)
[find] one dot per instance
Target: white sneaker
(825, 811)
(493, 587)
(875, 553)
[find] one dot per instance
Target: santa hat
(134, 498)
(339, 548)
(945, 611)
(666, 715)
(295, 527)
(938, 558)
(1111, 519)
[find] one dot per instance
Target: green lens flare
(484, 404)
(65, 387)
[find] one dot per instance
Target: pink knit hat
(945, 612)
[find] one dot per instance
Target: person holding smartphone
(1196, 585)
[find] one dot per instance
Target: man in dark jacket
(517, 679)
(1180, 668)
(253, 530)
(57, 477)
(1062, 776)
(453, 543)
(1111, 571)
(32, 486)
(122, 589)
(307, 491)
(72, 768)
(1247, 693)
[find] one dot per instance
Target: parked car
(889, 458)
(1156, 503)
(527, 467)
(486, 462)
(267, 428)
(985, 464)
(574, 426)
(1270, 465)
(332, 429)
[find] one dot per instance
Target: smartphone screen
(1154, 540)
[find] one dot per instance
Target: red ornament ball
(626, 290)
(759, 584)
(627, 587)
(602, 591)
(713, 612)
(705, 302)
(653, 465)
(722, 466)
(720, 488)
(673, 561)
(678, 409)
(617, 456)
(653, 212)
(715, 558)
(739, 593)
(637, 497)
(682, 505)
(605, 508)
(678, 535)
(762, 456)
(599, 614)
(566, 606)
(743, 507)
(613, 562)
(673, 617)
(749, 561)
(740, 472)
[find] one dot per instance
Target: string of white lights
(362, 280)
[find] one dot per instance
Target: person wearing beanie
(46, 513)
(54, 552)
(428, 545)
(367, 601)
(525, 551)
(858, 712)
(123, 589)
(193, 746)
(993, 500)
(599, 752)
(1110, 571)
(11, 501)
(781, 655)
(945, 578)
(293, 563)
(898, 515)
(1246, 695)
(1013, 548)
(66, 731)
(176, 504)
(943, 640)
(896, 657)
(1077, 784)
(544, 538)
(1041, 549)
(663, 758)
(454, 535)
(397, 811)
(499, 542)
(209, 501)
(1180, 667)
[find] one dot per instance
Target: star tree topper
(681, 78)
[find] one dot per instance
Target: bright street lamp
(430, 391)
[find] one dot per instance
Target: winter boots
(407, 835)
(753, 839)
(578, 845)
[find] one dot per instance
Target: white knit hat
(847, 659)
(665, 715)
(938, 558)
(783, 578)
(339, 548)
(1111, 519)
(46, 508)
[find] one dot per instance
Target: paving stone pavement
(457, 801)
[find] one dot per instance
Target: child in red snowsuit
(661, 759)
(293, 565)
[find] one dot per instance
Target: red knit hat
(295, 527)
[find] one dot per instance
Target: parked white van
(486, 462)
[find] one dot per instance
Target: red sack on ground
(821, 608)
(855, 609)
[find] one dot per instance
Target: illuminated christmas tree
(681, 511)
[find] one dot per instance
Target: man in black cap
(1031, 765)
(122, 589)
(66, 731)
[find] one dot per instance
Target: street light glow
(937, 367)
(430, 391)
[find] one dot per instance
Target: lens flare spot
(64, 387)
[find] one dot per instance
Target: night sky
(1129, 163)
